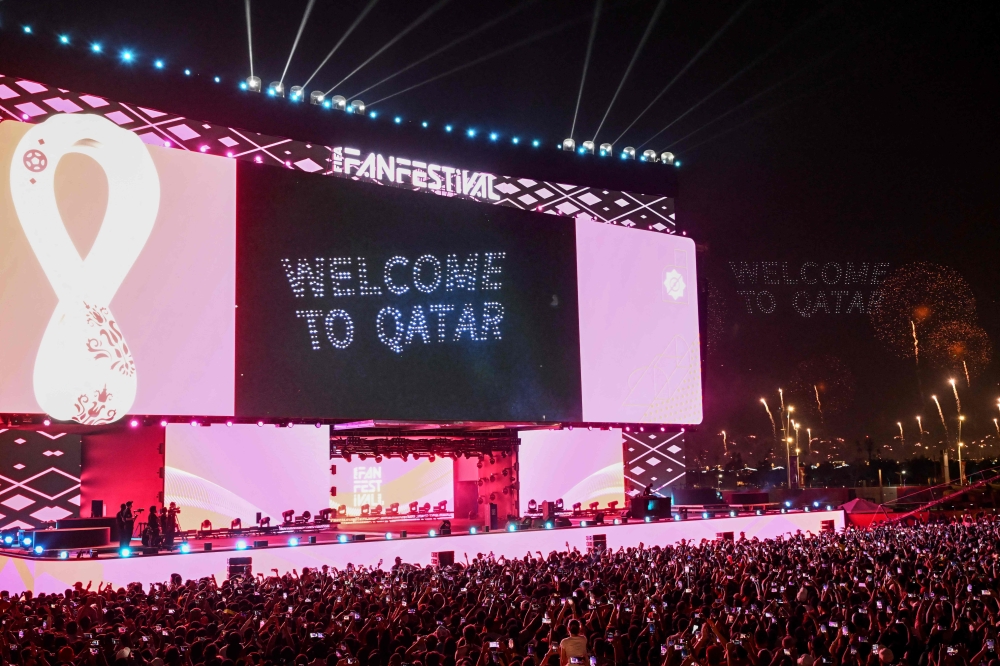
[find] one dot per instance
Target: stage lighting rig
(316, 97)
(358, 107)
(253, 83)
(276, 89)
(628, 153)
(295, 93)
(339, 102)
(649, 155)
(606, 149)
(569, 145)
(588, 147)
(667, 157)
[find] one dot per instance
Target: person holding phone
(573, 645)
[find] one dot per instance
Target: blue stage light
(27, 29)
(515, 140)
(8, 540)
(816, 504)
(185, 548)
(63, 554)
(187, 72)
(218, 80)
(388, 536)
(241, 545)
(677, 163)
(127, 56)
(549, 524)
(63, 39)
(39, 550)
(494, 136)
(472, 530)
(447, 128)
(96, 48)
(398, 120)
(125, 552)
(342, 538)
(26, 542)
(372, 114)
(243, 85)
(829, 508)
(423, 124)
(270, 91)
(648, 519)
(470, 132)
(512, 527)
(294, 541)
(704, 515)
(788, 503)
(536, 143)
(432, 533)
(326, 105)
(158, 64)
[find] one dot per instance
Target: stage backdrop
(577, 465)
(218, 473)
(39, 477)
(361, 482)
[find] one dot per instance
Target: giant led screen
(145, 280)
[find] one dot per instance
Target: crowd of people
(919, 596)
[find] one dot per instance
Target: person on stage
(153, 528)
(126, 523)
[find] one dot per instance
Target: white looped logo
(84, 370)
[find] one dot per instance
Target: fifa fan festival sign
(139, 279)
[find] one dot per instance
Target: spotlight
(784, 510)
(339, 102)
(494, 136)
(163, 423)
(133, 423)
(667, 157)
(649, 519)
(158, 64)
(26, 542)
(253, 83)
(260, 424)
(430, 458)
(583, 523)
(296, 93)
(63, 39)
(294, 541)
(536, 143)
(63, 554)
(704, 515)
(276, 89)
(432, 533)
(816, 504)
(512, 527)
(373, 114)
(628, 153)
(447, 128)
(241, 545)
(357, 106)
(788, 503)
(732, 513)
(617, 521)
(185, 548)
(759, 512)
(397, 120)
(187, 72)
(27, 29)
(649, 156)
(317, 97)
(362, 456)
(125, 552)
(515, 141)
(829, 508)
(423, 124)
(127, 56)
(218, 79)
(194, 424)
(229, 424)
(46, 422)
(569, 145)
(243, 85)
(8, 540)
(472, 530)
(587, 147)
(677, 163)
(470, 132)
(96, 48)
(378, 458)
(39, 550)
(342, 538)
(388, 536)
(327, 104)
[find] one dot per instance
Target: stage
(23, 572)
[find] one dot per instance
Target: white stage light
(667, 157)
(628, 153)
(253, 83)
(649, 155)
(295, 93)
(588, 147)
(357, 106)
(316, 97)
(569, 145)
(339, 102)
(276, 89)
(606, 149)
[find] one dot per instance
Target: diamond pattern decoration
(159, 128)
(38, 484)
(650, 460)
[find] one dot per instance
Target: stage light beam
(586, 64)
(455, 42)
(704, 49)
(635, 56)
(350, 29)
(249, 36)
(298, 36)
(420, 19)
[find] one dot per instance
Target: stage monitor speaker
(359, 537)
(597, 543)
(208, 546)
(654, 507)
(96, 508)
(548, 510)
(443, 558)
(312, 539)
(260, 544)
(240, 566)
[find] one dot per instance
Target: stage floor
(20, 571)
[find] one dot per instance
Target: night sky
(867, 135)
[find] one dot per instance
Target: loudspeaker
(260, 544)
(443, 558)
(96, 508)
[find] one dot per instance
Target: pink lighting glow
(229, 424)
(167, 144)
(229, 153)
(203, 148)
(133, 423)
(257, 159)
(47, 422)
(163, 423)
